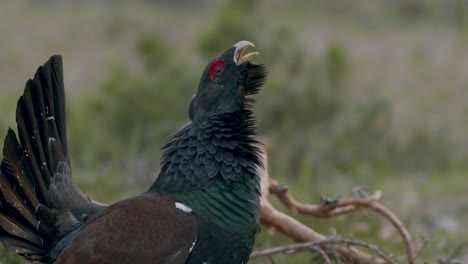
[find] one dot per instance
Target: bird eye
(218, 70)
(215, 68)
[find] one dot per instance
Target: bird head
(227, 82)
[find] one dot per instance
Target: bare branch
(328, 209)
(322, 254)
(389, 215)
(312, 245)
(299, 232)
(324, 210)
(333, 208)
(291, 249)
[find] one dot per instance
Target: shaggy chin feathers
(255, 78)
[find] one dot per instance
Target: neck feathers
(219, 150)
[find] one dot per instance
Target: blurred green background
(361, 93)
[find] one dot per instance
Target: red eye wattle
(216, 68)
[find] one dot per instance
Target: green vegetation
(371, 95)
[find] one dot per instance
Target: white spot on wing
(193, 245)
(183, 207)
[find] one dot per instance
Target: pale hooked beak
(241, 46)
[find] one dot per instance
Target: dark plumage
(202, 208)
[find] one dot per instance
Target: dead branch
(322, 254)
(297, 231)
(312, 245)
(290, 249)
(325, 210)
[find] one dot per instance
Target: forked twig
(299, 232)
(313, 245)
(343, 206)
(324, 210)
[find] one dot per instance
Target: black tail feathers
(27, 220)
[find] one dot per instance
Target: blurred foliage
(305, 102)
(136, 111)
(6, 258)
(319, 136)
(227, 27)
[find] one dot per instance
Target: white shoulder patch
(193, 245)
(183, 207)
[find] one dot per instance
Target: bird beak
(241, 46)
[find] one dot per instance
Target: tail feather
(37, 191)
(47, 215)
(15, 165)
(50, 78)
(13, 227)
(24, 121)
(16, 202)
(27, 218)
(21, 247)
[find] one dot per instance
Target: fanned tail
(27, 218)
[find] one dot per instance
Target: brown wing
(144, 229)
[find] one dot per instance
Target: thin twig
(322, 254)
(422, 247)
(389, 215)
(293, 248)
(324, 210)
(296, 230)
(333, 208)
(299, 232)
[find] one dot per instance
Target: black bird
(203, 207)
